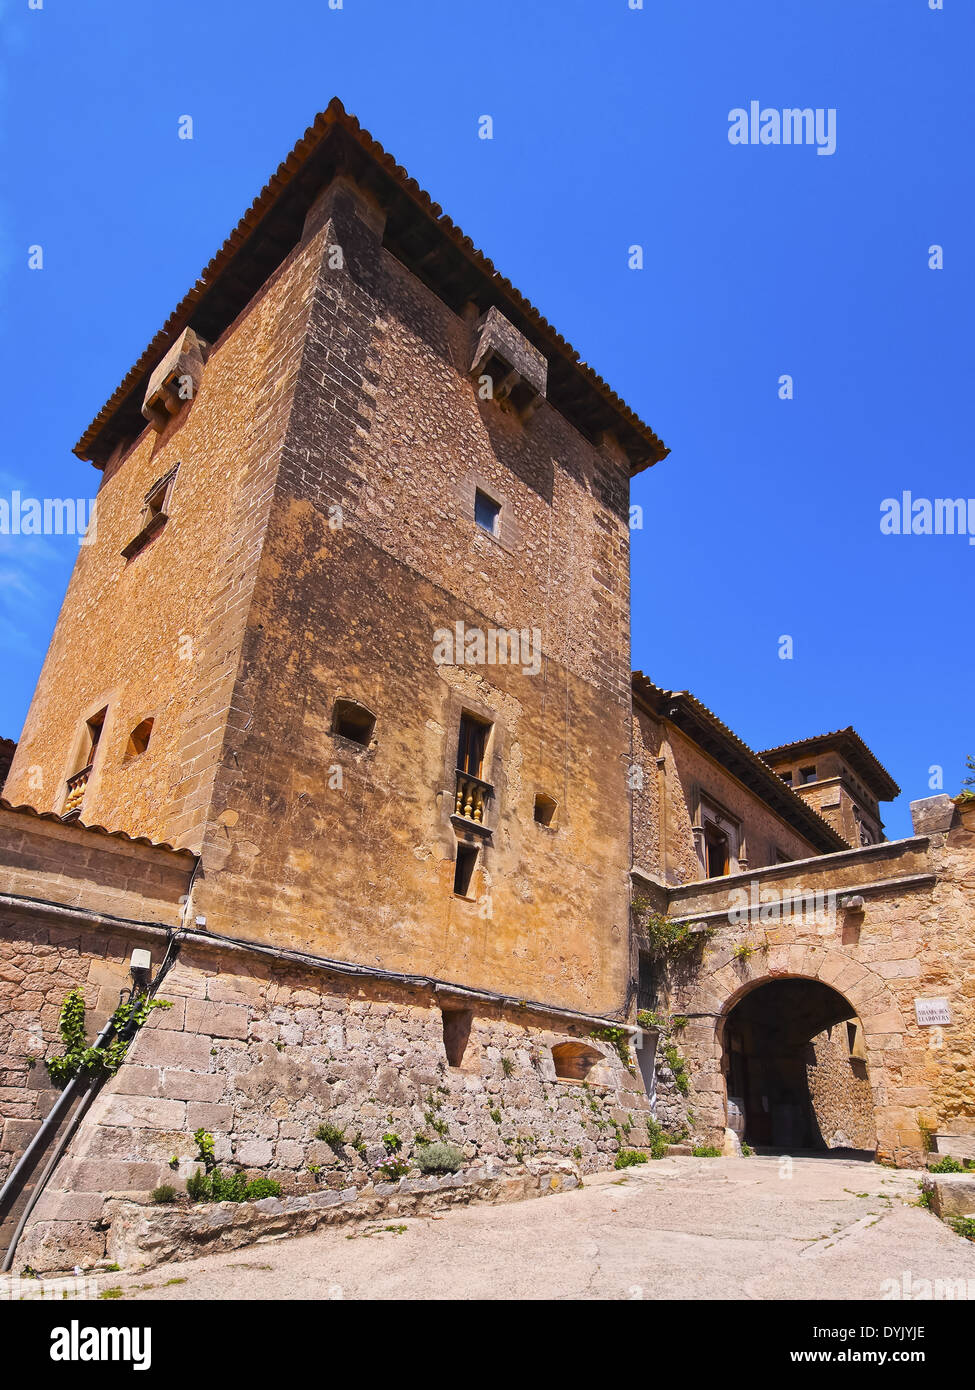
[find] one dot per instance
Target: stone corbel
(176, 380)
(518, 371)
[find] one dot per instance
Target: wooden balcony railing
(471, 797)
(76, 794)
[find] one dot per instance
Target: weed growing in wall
(330, 1134)
(439, 1158)
(620, 1039)
(628, 1158)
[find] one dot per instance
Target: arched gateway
(795, 1068)
(810, 1041)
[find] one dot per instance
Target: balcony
(471, 797)
(76, 794)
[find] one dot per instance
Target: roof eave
(276, 217)
(796, 812)
(857, 753)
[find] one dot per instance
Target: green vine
(678, 1066)
(80, 1058)
(620, 1038)
(667, 939)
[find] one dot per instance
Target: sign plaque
(932, 1011)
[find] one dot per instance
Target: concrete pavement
(680, 1228)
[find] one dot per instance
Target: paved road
(679, 1228)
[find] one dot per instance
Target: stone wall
(261, 1053)
(74, 903)
(839, 1090)
(40, 962)
(140, 1236)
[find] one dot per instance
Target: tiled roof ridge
(335, 114)
(793, 796)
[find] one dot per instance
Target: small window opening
(155, 513)
(807, 774)
(487, 512)
(464, 869)
(353, 721)
(574, 1061)
(95, 725)
(156, 504)
(78, 781)
(138, 740)
(545, 809)
(646, 990)
(716, 849)
(456, 1033)
(157, 498)
(786, 778)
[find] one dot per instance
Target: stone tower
(840, 778)
(354, 624)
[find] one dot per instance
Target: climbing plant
(668, 940)
(82, 1058)
(620, 1038)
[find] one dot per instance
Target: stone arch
(787, 1046)
(728, 981)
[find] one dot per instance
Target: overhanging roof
(417, 232)
(704, 727)
(851, 747)
(24, 810)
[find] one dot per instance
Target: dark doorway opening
(795, 1065)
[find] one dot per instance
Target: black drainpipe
(87, 1088)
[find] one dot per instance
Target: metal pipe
(38, 1189)
(74, 1088)
(50, 1122)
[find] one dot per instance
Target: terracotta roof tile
(25, 810)
(245, 245)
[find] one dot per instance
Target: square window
(487, 512)
(545, 809)
(807, 774)
(353, 721)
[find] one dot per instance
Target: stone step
(950, 1194)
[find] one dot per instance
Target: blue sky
(610, 130)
